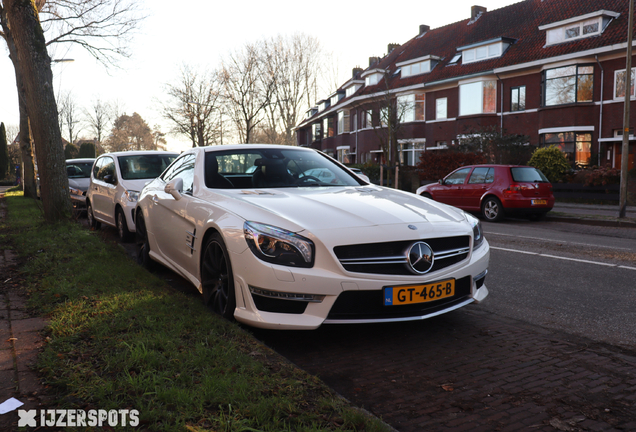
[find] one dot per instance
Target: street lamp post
(628, 85)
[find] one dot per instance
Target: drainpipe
(600, 118)
(502, 103)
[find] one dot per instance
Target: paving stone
(6, 359)
(27, 325)
(28, 382)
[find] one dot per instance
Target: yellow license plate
(409, 294)
(539, 202)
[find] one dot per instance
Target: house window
(478, 98)
(368, 118)
(577, 146)
(325, 127)
(343, 122)
(411, 107)
(569, 84)
(410, 152)
(316, 131)
(482, 52)
(619, 84)
(441, 108)
(343, 154)
(355, 122)
(518, 98)
(372, 79)
(384, 116)
(416, 68)
(581, 29)
(330, 127)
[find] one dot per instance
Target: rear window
(528, 175)
(144, 166)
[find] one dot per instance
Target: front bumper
(277, 297)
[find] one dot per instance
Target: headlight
(75, 191)
(478, 234)
(279, 246)
(132, 196)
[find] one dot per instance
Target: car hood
(79, 183)
(315, 209)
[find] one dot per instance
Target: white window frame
(439, 104)
(483, 52)
(632, 95)
(372, 79)
(343, 122)
(556, 32)
(464, 95)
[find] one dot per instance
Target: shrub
(435, 165)
(551, 161)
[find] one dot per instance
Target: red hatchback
(494, 190)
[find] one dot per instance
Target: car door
(104, 187)
(479, 181)
(450, 190)
(174, 231)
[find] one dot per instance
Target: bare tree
(294, 62)
(98, 117)
(249, 89)
(194, 108)
(101, 27)
(68, 113)
(35, 69)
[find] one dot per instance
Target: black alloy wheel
(122, 226)
(143, 257)
(92, 223)
(492, 210)
(217, 279)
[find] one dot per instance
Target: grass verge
(120, 338)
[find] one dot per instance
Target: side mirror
(174, 188)
(440, 181)
(110, 179)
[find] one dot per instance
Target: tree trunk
(26, 150)
(35, 70)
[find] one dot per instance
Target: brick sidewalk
(20, 341)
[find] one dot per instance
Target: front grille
(391, 257)
(355, 305)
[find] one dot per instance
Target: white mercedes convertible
(273, 246)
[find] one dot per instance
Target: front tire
(143, 258)
(92, 222)
(217, 279)
(492, 210)
(122, 226)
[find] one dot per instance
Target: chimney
(475, 11)
(424, 28)
(390, 47)
(373, 60)
(356, 71)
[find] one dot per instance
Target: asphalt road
(575, 278)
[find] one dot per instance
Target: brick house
(553, 70)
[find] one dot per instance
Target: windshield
(528, 175)
(144, 166)
(79, 170)
(273, 168)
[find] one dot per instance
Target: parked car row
(288, 238)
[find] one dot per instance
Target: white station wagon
(273, 246)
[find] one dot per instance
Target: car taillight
(513, 189)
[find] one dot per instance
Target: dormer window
(335, 98)
(351, 90)
(580, 27)
(483, 50)
(417, 66)
(372, 77)
(323, 105)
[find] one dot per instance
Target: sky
(202, 33)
